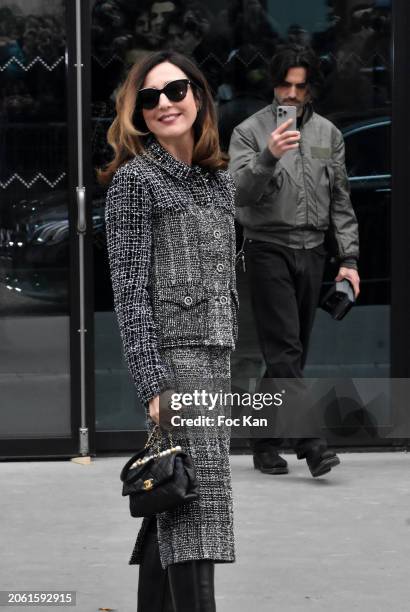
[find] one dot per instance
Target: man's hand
(351, 275)
(159, 407)
(282, 140)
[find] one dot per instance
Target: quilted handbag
(160, 481)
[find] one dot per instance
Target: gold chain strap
(156, 437)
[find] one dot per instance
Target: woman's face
(169, 120)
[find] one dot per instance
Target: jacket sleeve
(128, 228)
(343, 222)
(251, 169)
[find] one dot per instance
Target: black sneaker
(269, 462)
(321, 463)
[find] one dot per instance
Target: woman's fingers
(159, 408)
(154, 409)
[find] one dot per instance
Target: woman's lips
(169, 118)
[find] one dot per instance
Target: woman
(171, 245)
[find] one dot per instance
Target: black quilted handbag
(160, 481)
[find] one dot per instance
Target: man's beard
(289, 102)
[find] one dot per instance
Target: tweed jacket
(171, 247)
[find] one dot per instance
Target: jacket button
(188, 300)
(220, 267)
(223, 299)
(217, 234)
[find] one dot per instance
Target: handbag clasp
(148, 484)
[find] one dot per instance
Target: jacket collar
(307, 111)
(166, 161)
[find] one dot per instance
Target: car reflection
(35, 249)
(368, 164)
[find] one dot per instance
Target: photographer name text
(219, 421)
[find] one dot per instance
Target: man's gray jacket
(294, 200)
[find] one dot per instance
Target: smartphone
(284, 113)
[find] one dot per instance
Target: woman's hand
(154, 409)
(159, 408)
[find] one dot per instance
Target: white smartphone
(284, 113)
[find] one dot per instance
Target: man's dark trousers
(285, 286)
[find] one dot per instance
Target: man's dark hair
(296, 56)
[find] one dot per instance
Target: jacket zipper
(302, 154)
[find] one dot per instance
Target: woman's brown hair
(128, 130)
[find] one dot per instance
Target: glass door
(39, 271)
(233, 42)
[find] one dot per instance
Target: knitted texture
(202, 529)
(171, 247)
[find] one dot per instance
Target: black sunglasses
(175, 91)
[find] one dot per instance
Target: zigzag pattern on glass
(340, 62)
(28, 184)
(35, 61)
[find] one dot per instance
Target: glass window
(34, 227)
(233, 42)
(368, 150)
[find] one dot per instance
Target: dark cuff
(267, 159)
(349, 262)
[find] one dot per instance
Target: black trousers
(285, 287)
(182, 587)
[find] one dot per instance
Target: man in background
(292, 187)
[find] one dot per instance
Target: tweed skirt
(202, 529)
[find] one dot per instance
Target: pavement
(337, 544)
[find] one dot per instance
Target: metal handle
(81, 215)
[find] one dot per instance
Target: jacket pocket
(181, 314)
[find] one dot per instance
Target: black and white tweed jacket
(171, 246)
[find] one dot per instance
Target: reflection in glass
(233, 42)
(34, 228)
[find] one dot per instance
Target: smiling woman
(172, 116)
(134, 122)
(171, 245)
